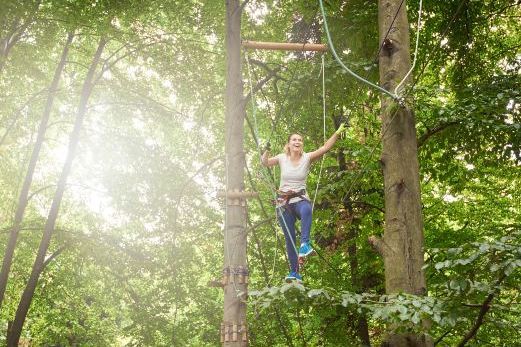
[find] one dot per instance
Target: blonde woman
(293, 201)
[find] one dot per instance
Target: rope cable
(324, 131)
(279, 210)
(375, 60)
(256, 139)
(332, 47)
(398, 87)
(402, 97)
(255, 133)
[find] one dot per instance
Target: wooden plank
(285, 46)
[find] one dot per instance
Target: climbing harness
(283, 198)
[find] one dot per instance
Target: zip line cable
(406, 76)
(255, 132)
(398, 87)
(332, 48)
(256, 139)
(414, 83)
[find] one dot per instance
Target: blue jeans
(287, 216)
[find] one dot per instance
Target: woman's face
(295, 143)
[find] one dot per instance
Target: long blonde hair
(286, 146)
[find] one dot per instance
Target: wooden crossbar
(285, 46)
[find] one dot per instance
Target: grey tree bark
(15, 29)
(402, 243)
(24, 193)
(38, 266)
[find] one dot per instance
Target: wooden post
(402, 244)
(235, 217)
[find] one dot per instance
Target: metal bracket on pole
(237, 275)
(234, 331)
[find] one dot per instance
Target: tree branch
(442, 337)
(485, 307)
(259, 85)
(54, 255)
(378, 245)
(435, 130)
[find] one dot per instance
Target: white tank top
(293, 177)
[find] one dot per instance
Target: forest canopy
(112, 159)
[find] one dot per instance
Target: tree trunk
(233, 328)
(402, 244)
(15, 34)
(362, 327)
(27, 296)
(24, 193)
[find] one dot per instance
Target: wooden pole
(284, 46)
(235, 262)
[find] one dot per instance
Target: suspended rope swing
(267, 177)
(284, 210)
(279, 210)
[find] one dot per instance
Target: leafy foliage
(139, 234)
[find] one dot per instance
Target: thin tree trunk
(23, 198)
(402, 243)
(362, 327)
(234, 318)
(27, 296)
(14, 35)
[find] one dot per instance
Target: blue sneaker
(305, 250)
(293, 276)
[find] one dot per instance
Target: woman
(292, 200)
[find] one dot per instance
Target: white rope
(332, 47)
(280, 210)
(324, 130)
(398, 88)
(255, 132)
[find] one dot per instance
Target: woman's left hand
(341, 129)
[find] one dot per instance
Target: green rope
(332, 47)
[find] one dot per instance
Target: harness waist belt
(285, 197)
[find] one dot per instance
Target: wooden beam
(285, 46)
